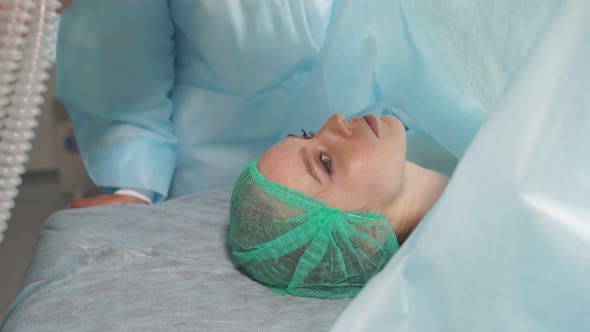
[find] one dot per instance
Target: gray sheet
(165, 267)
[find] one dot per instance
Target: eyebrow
(307, 163)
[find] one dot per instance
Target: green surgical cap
(298, 245)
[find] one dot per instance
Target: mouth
(373, 123)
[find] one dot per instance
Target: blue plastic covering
(507, 246)
(439, 67)
(178, 96)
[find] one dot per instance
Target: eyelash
(306, 135)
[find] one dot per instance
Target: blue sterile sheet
(507, 247)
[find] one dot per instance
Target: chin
(396, 128)
(395, 122)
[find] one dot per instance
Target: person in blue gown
(173, 97)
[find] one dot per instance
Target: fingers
(99, 200)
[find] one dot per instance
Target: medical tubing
(28, 30)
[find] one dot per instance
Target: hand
(112, 199)
(64, 5)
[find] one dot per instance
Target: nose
(337, 125)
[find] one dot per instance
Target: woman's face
(352, 165)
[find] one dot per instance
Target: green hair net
(298, 245)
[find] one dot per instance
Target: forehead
(282, 163)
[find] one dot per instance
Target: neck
(420, 189)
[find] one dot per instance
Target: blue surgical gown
(178, 96)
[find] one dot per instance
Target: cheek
(377, 191)
(378, 183)
(363, 190)
(358, 198)
(370, 179)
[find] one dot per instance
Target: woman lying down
(320, 214)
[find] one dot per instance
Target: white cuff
(131, 192)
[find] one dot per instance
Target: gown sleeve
(115, 72)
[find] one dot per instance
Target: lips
(373, 123)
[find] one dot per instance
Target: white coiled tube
(28, 30)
